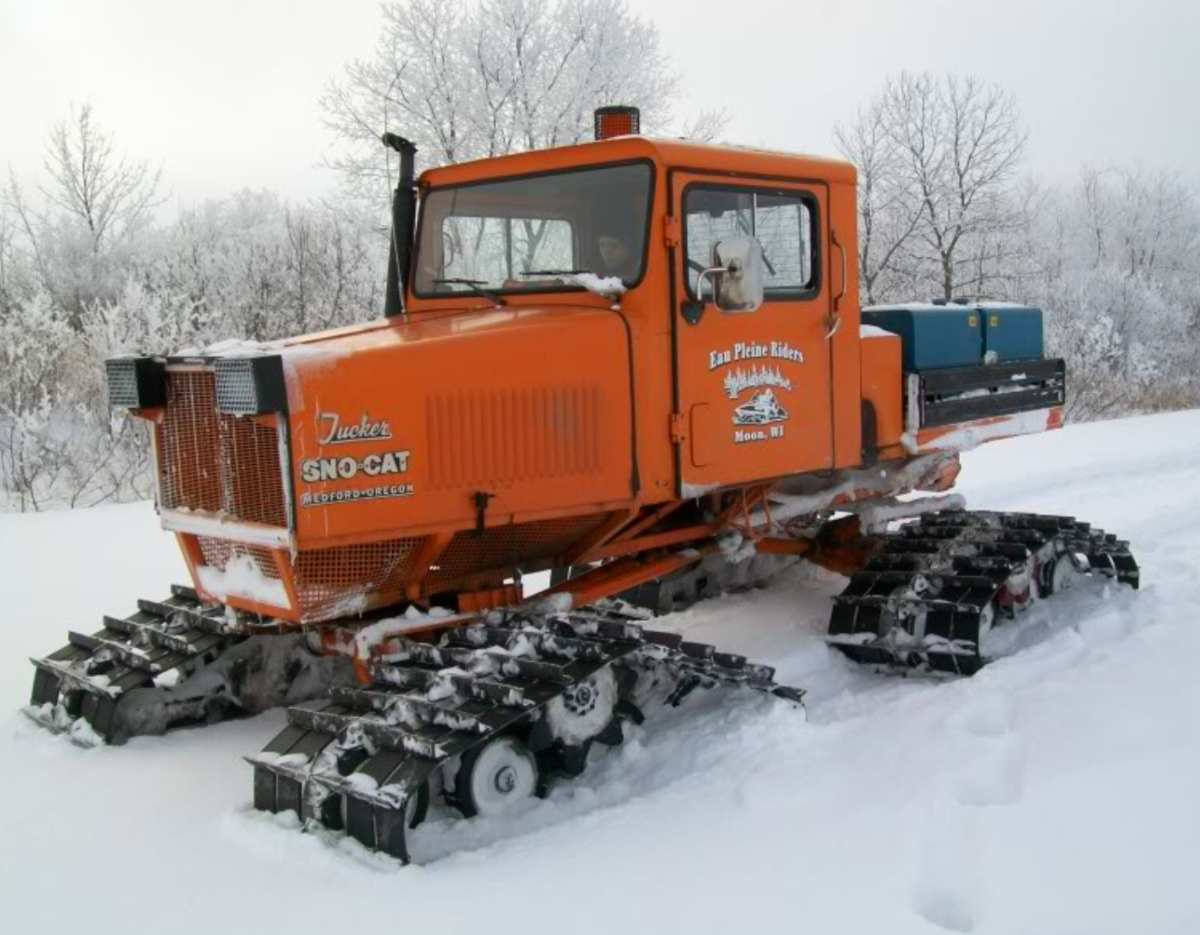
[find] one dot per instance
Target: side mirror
(736, 275)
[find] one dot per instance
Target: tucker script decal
(335, 432)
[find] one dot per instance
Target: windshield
(534, 233)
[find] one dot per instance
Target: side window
(495, 249)
(782, 222)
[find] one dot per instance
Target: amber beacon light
(617, 121)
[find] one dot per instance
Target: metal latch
(671, 235)
(480, 499)
(678, 428)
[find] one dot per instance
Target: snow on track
(1053, 792)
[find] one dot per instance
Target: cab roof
(671, 154)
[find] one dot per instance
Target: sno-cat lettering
(317, 470)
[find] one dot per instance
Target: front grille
(217, 462)
(251, 483)
(218, 553)
(328, 581)
(190, 443)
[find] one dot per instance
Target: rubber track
(965, 557)
(88, 676)
(354, 761)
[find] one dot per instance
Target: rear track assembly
(935, 587)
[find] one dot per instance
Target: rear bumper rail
(962, 394)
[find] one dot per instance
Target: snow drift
(1053, 792)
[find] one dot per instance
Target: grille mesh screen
(251, 482)
(188, 465)
(217, 462)
(327, 579)
(218, 552)
(235, 386)
(122, 382)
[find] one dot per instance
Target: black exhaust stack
(404, 212)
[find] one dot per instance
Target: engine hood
(407, 426)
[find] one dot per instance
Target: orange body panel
(529, 406)
(882, 386)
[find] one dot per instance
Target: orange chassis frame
(630, 554)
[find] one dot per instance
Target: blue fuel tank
(1011, 332)
(931, 336)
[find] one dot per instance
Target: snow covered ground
(1054, 792)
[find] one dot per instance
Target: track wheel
(987, 617)
(1059, 575)
(495, 777)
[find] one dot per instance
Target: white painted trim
(217, 526)
(967, 435)
(912, 407)
(285, 466)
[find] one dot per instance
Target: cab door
(753, 389)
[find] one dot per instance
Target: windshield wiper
(476, 286)
(608, 287)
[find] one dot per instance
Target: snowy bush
(1120, 282)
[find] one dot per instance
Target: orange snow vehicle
(638, 363)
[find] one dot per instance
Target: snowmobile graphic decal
(762, 409)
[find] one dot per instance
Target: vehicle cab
(730, 271)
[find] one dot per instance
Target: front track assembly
(482, 719)
(88, 679)
(934, 587)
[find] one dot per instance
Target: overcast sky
(222, 93)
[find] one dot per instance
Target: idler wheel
(495, 778)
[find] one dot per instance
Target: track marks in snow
(948, 884)
(993, 771)
(948, 888)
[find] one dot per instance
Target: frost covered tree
(887, 213)
(252, 266)
(488, 77)
(95, 205)
(16, 280)
(938, 157)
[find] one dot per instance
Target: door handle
(834, 321)
(842, 282)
